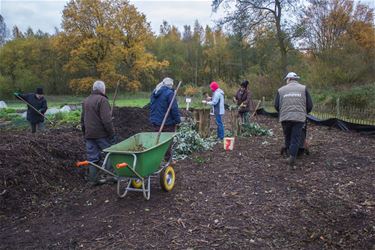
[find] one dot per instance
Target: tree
(106, 39)
(255, 14)
(341, 36)
(3, 31)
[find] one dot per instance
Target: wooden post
(338, 107)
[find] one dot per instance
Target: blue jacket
(218, 102)
(159, 105)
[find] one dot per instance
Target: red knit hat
(214, 86)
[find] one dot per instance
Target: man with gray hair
(97, 126)
(293, 102)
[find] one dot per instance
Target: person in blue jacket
(38, 101)
(161, 97)
(218, 104)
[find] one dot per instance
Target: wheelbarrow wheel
(136, 183)
(167, 179)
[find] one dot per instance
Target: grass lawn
(124, 100)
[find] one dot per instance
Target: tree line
(330, 43)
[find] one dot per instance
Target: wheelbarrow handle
(82, 163)
(121, 165)
(86, 163)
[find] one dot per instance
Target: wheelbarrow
(137, 159)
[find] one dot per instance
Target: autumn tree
(341, 37)
(252, 15)
(106, 40)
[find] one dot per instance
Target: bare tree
(327, 21)
(252, 14)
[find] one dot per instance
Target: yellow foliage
(191, 90)
(105, 39)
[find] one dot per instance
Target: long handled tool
(31, 106)
(167, 113)
(114, 97)
(256, 108)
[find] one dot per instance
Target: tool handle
(31, 106)
(167, 113)
(82, 163)
(121, 165)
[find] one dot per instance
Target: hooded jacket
(96, 117)
(40, 104)
(218, 102)
(159, 104)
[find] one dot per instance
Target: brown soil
(246, 198)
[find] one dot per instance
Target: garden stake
(166, 114)
(35, 109)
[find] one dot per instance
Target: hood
(219, 91)
(161, 91)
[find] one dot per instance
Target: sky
(47, 14)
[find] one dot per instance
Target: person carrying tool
(244, 102)
(293, 102)
(160, 99)
(36, 108)
(218, 103)
(97, 127)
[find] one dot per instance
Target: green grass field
(124, 100)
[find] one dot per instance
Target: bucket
(228, 143)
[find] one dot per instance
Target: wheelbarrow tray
(142, 149)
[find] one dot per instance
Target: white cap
(291, 75)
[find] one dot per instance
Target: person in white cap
(293, 102)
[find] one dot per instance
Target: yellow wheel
(136, 183)
(167, 179)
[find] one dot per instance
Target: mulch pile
(34, 166)
(246, 198)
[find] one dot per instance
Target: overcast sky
(46, 14)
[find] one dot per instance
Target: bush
(189, 141)
(191, 90)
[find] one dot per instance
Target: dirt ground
(246, 198)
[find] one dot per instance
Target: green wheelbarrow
(137, 159)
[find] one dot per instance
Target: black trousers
(292, 136)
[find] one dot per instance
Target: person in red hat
(218, 104)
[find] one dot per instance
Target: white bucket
(228, 143)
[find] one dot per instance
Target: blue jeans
(293, 136)
(220, 127)
(94, 149)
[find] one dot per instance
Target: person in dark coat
(244, 102)
(293, 102)
(38, 101)
(161, 97)
(97, 126)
